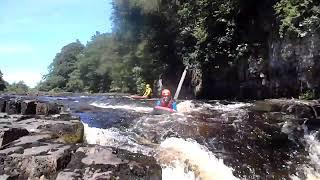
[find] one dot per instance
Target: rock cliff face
(294, 65)
(269, 67)
(40, 141)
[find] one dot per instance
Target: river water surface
(205, 140)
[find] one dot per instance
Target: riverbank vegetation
(229, 46)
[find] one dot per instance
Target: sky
(32, 32)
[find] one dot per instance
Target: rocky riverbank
(40, 140)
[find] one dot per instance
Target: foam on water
(125, 107)
(313, 148)
(114, 138)
(228, 107)
(185, 107)
(310, 170)
(188, 160)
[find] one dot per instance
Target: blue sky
(33, 31)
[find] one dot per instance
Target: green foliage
(298, 17)
(2, 82)
(62, 66)
(308, 95)
(154, 37)
(19, 88)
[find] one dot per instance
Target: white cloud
(30, 78)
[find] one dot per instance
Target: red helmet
(165, 92)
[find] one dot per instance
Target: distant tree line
(16, 87)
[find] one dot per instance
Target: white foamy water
(189, 106)
(311, 171)
(185, 107)
(114, 138)
(125, 107)
(313, 148)
(228, 107)
(188, 160)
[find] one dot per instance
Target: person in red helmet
(167, 100)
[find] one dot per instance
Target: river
(205, 140)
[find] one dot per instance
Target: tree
(62, 66)
(2, 82)
(19, 87)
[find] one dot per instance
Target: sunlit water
(204, 140)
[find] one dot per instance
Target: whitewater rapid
(179, 158)
(186, 159)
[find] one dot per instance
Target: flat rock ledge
(40, 141)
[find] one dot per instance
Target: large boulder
(47, 108)
(67, 132)
(28, 107)
(297, 108)
(13, 106)
(96, 162)
(33, 161)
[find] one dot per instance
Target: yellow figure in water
(148, 92)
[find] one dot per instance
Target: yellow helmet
(147, 85)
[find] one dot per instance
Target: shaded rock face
(44, 108)
(13, 106)
(8, 135)
(2, 105)
(28, 107)
(294, 66)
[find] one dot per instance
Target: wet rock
(317, 110)
(95, 162)
(301, 111)
(28, 107)
(46, 108)
(298, 108)
(8, 135)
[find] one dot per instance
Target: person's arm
(174, 106)
(147, 93)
